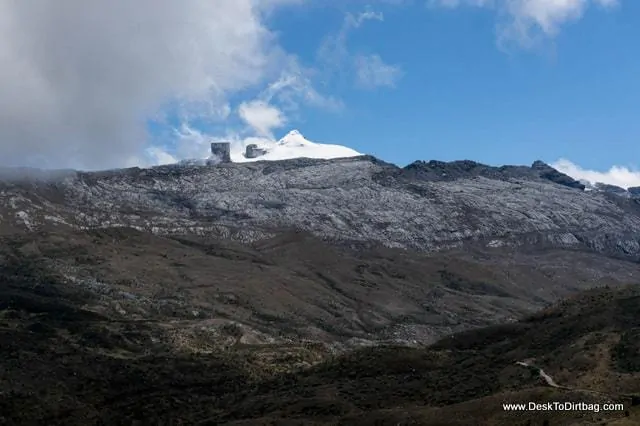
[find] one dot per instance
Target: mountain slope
(237, 293)
(295, 286)
(353, 200)
(63, 364)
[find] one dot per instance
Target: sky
(90, 84)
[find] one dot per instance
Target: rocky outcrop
(634, 190)
(424, 206)
(545, 171)
(613, 189)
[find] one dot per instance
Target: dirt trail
(547, 378)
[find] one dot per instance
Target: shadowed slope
(117, 325)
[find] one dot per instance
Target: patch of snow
(495, 243)
(56, 220)
(566, 239)
(22, 215)
(293, 145)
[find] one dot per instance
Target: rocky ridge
(423, 206)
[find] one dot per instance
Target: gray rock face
(633, 192)
(613, 189)
(440, 171)
(424, 206)
(545, 171)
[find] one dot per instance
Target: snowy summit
(292, 145)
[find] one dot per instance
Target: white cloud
(524, 21)
(294, 88)
(616, 175)
(334, 47)
(357, 20)
(261, 117)
(191, 143)
(81, 77)
(271, 109)
(372, 72)
(154, 156)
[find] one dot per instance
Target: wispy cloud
(153, 156)
(356, 20)
(616, 175)
(370, 70)
(526, 22)
(261, 117)
(278, 104)
(295, 87)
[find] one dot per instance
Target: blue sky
(112, 84)
(461, 95)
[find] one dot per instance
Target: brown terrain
(119, 327)
(302, 292)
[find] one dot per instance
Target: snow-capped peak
(294, 138)
(292, 145)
